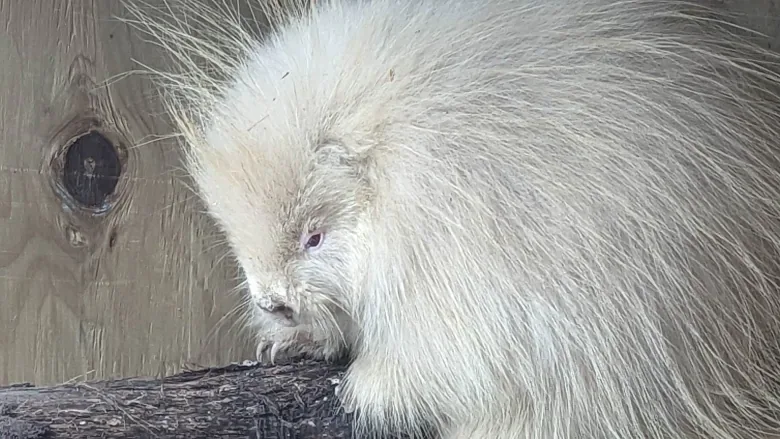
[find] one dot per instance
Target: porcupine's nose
(276, 308)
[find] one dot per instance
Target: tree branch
(293, 400)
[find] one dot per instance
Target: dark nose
(279, 309)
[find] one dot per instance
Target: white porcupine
(520, 218)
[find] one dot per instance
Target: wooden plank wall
(119, 275)
(99, 276)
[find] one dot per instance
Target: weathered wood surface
(100, 275)
(295, 400)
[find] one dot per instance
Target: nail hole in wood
(112, 239)
(91, 170)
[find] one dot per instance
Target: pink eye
(313, 240)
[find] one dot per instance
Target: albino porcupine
(519, 218)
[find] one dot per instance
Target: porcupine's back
(574, 213)
(579, 212)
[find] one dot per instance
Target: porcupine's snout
(274, 300)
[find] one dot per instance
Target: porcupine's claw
(274, 351)
(267, 351)
(260, 352)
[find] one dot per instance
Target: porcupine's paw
(269, 351)
(381, 403)
(283, 346)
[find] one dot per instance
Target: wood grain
(137, 287)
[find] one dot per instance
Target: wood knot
(88, 172)
(91, 170)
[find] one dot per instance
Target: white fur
(544, 218)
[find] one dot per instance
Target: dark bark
(293, 400)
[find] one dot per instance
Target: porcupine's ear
(356, 161)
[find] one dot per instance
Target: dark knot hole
(91, 169)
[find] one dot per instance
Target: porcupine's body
(521, 218)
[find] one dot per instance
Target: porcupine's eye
(312, 240)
